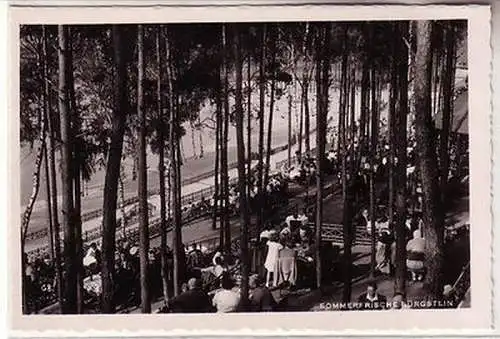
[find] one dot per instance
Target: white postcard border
(479, 316)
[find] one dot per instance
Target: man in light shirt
(226, 300)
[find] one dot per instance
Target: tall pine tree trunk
(305, 93)
(200, 134)
(262, 98)
(289, 149)
(161, 167)
(249, 123)
(193, 138)
(365, 91)
(307, 127)
(270, 118)
(392, 112)
(432, 206)
(225, 124)
(70, 269)
(77, 168)
(51, 146)
(244, 214)
(448, 86)
(121, 188)
(347, 218)
(301, 126)
(48, 198)
(142, 186)
(120, 107)
(373, 162)
(46, 117)
(174, 149)
(217, 168)
(400, 144)
(322, 79)
(29, 208)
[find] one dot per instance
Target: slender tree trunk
(219, 203)
(365, 91)
(262, 98)
(448, 86)
(142, 186)
(193, 139)
(433, 213)
(290, 142)
(270, 118)
(322, 78)
(392, 112)
(249, 123)
(225, 167)
(70, 269)
(50, 232)
(174, 172)
(200, 133)
(217, 159)
(436, 41)
(113, 163)
(244, 215)
(353, 119)
(347, 222)
(121, 188)
(29, 208)
(77, 166)
(400, 143)
(51, 146)
(301, 126)
(161, 167)
(178, 197)
(46, 117)
(373, 162)
(307, 127)
(305, 90)
(79, 240)
(265, 197)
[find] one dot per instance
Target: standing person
(287, 265)
(195, 257)
(226, 300)
(271, 263)
(415, 256)
(260, 299)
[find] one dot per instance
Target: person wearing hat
(194, 300)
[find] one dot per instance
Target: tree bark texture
(120, 107)
(429, 174)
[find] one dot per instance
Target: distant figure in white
(91, 259)
(415, 256)
(271, 263)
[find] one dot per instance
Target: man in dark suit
(371, 300)
(194, 300)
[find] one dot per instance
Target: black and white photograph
(245, 167)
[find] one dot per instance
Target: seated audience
(226, 300)
(260, 298)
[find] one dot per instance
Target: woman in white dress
(271, 263)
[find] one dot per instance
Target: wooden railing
(334, 233)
